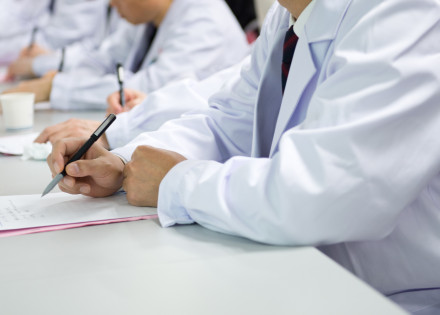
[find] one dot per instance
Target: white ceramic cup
(18, 110)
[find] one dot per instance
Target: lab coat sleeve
(78, 51)
(72, 21)
(88, 86)
(366, 149)
(192, 134)
(17, 19)
(73, 54)
(165, 104)
(10, 47)
(114, 49)
(206, 39)
(81, 90)
(201, 134)
(47, 62)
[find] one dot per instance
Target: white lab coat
(354, 156)
(167, 103)
(17, 19)
(102, 26)
(71, 21)
(195, 39)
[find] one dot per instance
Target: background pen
(61, 65)
(120, 75)
(32, 42)
(95, 136)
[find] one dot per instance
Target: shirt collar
(298, 25)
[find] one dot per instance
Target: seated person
(38, 60)
(328, 138)
(164, 104)
(194, 39)
(49, 25)
(17, 20)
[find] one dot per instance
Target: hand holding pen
(32, 42)
(22, 66)
(132, 99)
(80, 151)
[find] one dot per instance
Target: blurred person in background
(175, 39)
(28, 27)
(39, 60)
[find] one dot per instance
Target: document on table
(31, 213)
(14, 144)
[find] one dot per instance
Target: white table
(141, 268)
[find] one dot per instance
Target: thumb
(129, 105)
(82, 168)
(129, 95)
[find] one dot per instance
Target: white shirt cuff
(59, 96)
(170, 209)
(118, 134)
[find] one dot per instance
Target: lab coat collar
(163, 30)
(329, 13)
(324, 20)
(301, 72)
(322, 25)
(269, 98)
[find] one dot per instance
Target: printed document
(31, 211)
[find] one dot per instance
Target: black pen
(61, 65)
(95, 136)
(32, 42)
(120, 75)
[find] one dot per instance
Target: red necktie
(288, 49)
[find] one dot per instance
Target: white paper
(15, 144)
(18, 212)
(42, 106)
(37, 151)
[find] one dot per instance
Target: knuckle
(65, 189)
(143, 149)
(133, 199)
(45, 131)
(73, 121)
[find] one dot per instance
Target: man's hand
(132, 99)
(34, 51)
(41, 87)
(23, 65)
(144, 173)
(77, 128)
(98, 174)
